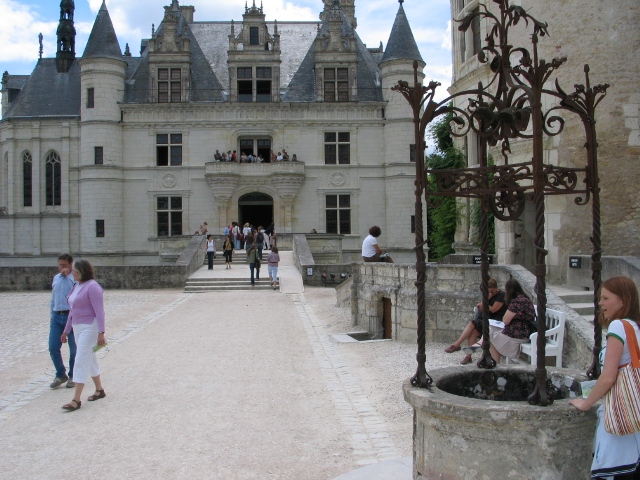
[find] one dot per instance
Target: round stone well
(477, 424)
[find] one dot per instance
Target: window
(475, 29)
(254, 37)
(413, 224)
(27, 179)
(336, 84)
(168, 149)
(246, 85)
(337, 148)
(247, 145)
(169, 211)
(90, 98)
(169, 85)
(53, 181)
(263, 85)
(412, 152)
(99, 228)
(98, 155)
(338, 214)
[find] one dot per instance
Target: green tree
(442, 212)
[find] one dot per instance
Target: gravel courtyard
(223, 385)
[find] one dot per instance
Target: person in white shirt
(371, 252)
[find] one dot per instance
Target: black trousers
(210, 257)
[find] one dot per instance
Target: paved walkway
(224, 385)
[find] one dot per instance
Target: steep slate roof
(103, 42)
(48, 93)
(402, 45)
(295, 40)
(205, 86)
(302, 87)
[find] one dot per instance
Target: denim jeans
(260, 247)
(252, 267)
(56, 327)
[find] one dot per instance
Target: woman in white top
(211, 250)
(614, 456)
(371, 252)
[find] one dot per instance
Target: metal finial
(40, 41)
(400, 2)
(153, 30)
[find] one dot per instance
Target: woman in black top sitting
(497, 308)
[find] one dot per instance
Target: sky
(22, 20)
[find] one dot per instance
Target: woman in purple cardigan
(86, 317)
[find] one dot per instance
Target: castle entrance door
(255, 208)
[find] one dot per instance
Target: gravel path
(225, 385)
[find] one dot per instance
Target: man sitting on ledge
(370, 250)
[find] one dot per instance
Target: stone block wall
(451, 293)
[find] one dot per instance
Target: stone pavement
(224, 385)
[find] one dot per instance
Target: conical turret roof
(402, 45)
(103, 42)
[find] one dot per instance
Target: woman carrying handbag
(617, 440)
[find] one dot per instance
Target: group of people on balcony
(232, 156)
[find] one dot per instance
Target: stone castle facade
(109, 155)
(606, 37)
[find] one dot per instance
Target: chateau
(108, 154)
(606, 37)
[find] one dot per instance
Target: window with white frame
(338, 214)
(53, 179)
(336, 84)
(337, 148)
(169, 85)
(168, 149)
(169, 215)
(27, 180)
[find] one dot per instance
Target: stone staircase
(580, 300)
(220, 279)
(199, 285)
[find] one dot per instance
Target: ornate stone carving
(169, 181)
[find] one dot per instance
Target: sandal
(70, 408)
(466, 360)
(452, 348)
(97, 396)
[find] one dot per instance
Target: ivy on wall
(442, 212)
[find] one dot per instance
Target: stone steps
(200, 285)
(576, 298)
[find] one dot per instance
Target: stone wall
(451, 293)
(611, 267)
(114, 276)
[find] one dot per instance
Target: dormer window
(169, 85)
(336, 84)
(254, 36)
(248, 83)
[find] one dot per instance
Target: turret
(102, 76)
(66, 49)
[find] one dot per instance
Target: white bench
(554, 335)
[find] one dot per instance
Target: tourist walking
(211, 250)
(615, 456)
(61, 286)
(254, 263)
(227, 251)
(86, 318)
(272, 267)
(260, 241)
(271, 232)
(236, 235)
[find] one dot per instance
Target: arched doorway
(255, 208)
